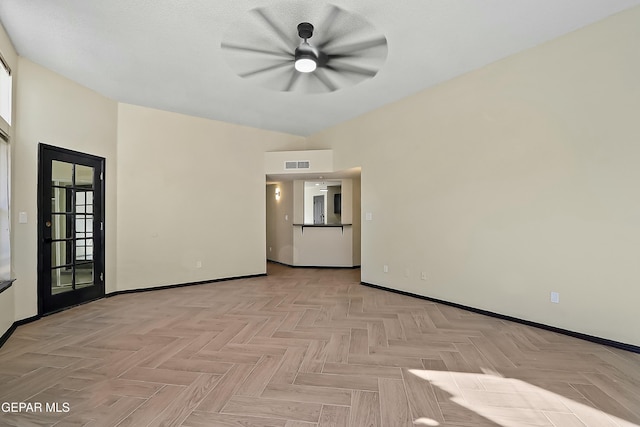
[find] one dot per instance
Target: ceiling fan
(337, 57)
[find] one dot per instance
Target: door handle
(47, 224)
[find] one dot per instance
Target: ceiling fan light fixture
(306, 58)
(305, 65)
(322, 63)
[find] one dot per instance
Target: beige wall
(55, 111)
(280, 223)
(323, 246)
(513, 181)
(190, 190)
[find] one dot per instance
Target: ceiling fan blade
(292, 80)
(320, 75)
(341, 56)
(325, 27)
(230, 46)
(281, 34)
(269, 68)
(354, 47)
(347, 68)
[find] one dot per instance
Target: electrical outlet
(270, 248)
(198, 264)
(385, 268)
(423, 275)
(368, 216)
(555, 297)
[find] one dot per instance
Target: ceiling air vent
(297, 164)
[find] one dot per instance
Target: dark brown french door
(70, 228)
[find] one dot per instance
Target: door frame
(99, 217)
(321, 199)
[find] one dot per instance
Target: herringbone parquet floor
(303, 348)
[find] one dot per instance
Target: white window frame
(5, 210)
(6, 96)
(5, 174)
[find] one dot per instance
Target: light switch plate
(22, 218)
(369, 216)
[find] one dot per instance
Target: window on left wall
(5, 91)
(5, 248)
(5, 174)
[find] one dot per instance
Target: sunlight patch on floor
(425, 422)
(510, 402)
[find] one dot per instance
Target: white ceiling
(166, 54)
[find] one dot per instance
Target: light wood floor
(303, 348)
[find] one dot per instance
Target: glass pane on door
(58, 198)
(61, 280)
(84, 225)
(84, 176)
(60, 252)
(84, 275)
(61, 173)
(71, 227)
(61, 226)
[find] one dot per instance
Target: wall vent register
(297, 164)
